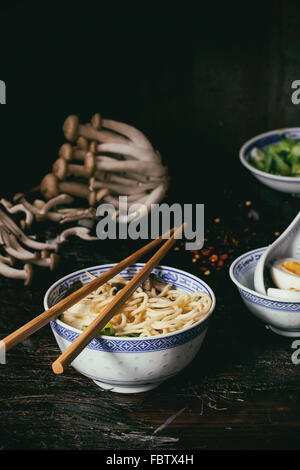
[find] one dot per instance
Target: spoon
(285, 246)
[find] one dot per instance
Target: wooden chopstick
(41, 320)
(110, 310)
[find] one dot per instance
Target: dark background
(198, 82)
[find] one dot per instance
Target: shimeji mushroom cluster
(105, 160)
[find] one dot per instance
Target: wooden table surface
(242, 390)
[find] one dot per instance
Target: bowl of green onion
(274, 159)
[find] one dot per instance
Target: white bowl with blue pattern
(286, 184)
(126, 364)
(282, 317)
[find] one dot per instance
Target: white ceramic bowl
(283, 317)
(286, 184)
(131, 365)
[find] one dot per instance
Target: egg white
(284, 294)
(282, 278)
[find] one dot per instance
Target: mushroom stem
(13, 248)
(136, 136)
(137, 167)
(56, 201)
(50, 262)
(7, 260)
(19, 208)
(81, 232)
(25, 274)
(9, 223)
(137, 153)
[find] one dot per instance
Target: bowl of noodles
(156, 333)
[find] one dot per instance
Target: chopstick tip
(57, 367)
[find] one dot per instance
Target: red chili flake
(220, 263)
(205, 252)
(194, 251)
(224, 256)
(246, 229)
(213, 258)
(197, 256)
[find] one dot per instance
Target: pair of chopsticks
(110, 310)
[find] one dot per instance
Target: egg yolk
(292, 266)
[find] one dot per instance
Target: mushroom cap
(66, 151)
(89, 164)
(29, 274)
(50, 186)
(60, 169)
(70, 127)
(54, 261)
(97, 121)
(82, 143)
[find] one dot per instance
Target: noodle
(145, 313)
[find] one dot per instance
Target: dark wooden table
(242, 391)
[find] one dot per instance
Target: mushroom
(81, 232)
(152, 282)
(72, 130)
(19, 208)
(51, 187)
(14, 249)
(51, 216)
(57, 201)
(82, 143)
(29, 242)
(7, 260)
(136, 136)
(67, 152)
(50, 262)
(26, 273)
(20, 198)
(62, 169)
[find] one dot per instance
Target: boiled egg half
(285, 274)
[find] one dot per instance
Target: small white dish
(285, 246)
(132, 365)
(286, 184)
(282, 317)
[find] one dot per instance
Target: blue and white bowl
(286, 184)
(132, 365)
(283, 317)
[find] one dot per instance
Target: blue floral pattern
(117, 345)
(180, 280)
